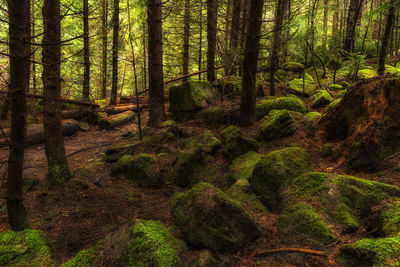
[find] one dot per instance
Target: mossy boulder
(278, 124)
(121, 166)
(265, 105)
(390, 217)
(372, 252)
(25, 248)
(301, 224)
(293, 67)
(242, 192)
(209, 218)
(285, 76)
(144, 170)
(296, 87)
(219, 116)
(333, 105)
(336, 87)
(367, 73)
(242, 167)
(83, 258)
(341, 94)
(84, 126)
(152, 245)
(204, 258)
(236, 144)
(275, 170)
(182, 170)
(321, 99)
(229, 86)
(114, 153)
(188, 97)
(207, 141)
(312, 116)
(170, 129)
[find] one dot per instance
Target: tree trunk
(279, 12)
(186, 35)
(156, 75)
(386, 37)
(58, 171)
(144, 57)
(33, 40)
(211, 38)
(201, 39)
(243, 33)
(114, 86)
(104, 35)
(19, 81)
(116, 120)
(352, 17)
(247, 104)
(325, 24)
(335, 19)
(86, 52)
(235, 28)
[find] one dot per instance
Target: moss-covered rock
(336, 87)
(344, 84)
(345, 217)
(229, 86)
(236, 144)
(219, 116)
(204, 258)
(208, 141)
(25, 248)
(209, 218)
(341, 94)
(275, 170)
(265, 105)
(84, 258)
(190, 96)
(183, 168)
(152, 245)
(321, 99)
(390, 217)
(84, 126)
(372, 252)
(170, 128)
(296, 87)
(278, 124)
(114, 153)
(300, 223)
(285, 76)
(121, 166)
(312, 116)
(144, 170)
(367, 73)
(242, 167)
(333, 105)
(392, 70)
(242, 192)
(293, 67)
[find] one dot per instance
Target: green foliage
(242, 167)
(312, 116)
(322, 98)
(291, 102)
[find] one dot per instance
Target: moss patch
(278, 124)
(367, 73)
(144, 170)
(121, 166)
(242, 167)
(333, 105)
(265, 105)
(182, 172)
(296, 87)
(237, 144)
(321, 99)
(293, 66)
(189, 96)
(312, 116)
(390, 217)
(242, 192)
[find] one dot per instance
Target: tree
(114, 85)
(186, 39)
(386, 36)
(351, 23)
(58, 171)
(211, 38)
(279, 14)
(19, 82)
(155, 53)
(86, 51)
(235, 29)
(247, 99)
(104, 34)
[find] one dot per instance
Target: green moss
(170, 127)
(114, 153)
(296, 87)
(207, 141)
(345, 218)
(362, 194)
(301, 224)
(327, 150)
(321, 99)
(308, 185)
(390, 216)
(209, 218)
(341, 93)
(395, 71)
(211, 171)
(189, 96)
(312, 116)
(336, 87)
(144, 170)
(242, 167)
(265, 105)
(278, 124)
(308, 78)
(25, 248)
(182, 171)
(367, 73)
(372, 252)
(293, 66)
(230, 132)
(153, 245)
(121, 166)
(237, 144)
(84, 258)
(241, 191)
(333, 105)
(84, 126)
(345, 84)
(277, 169)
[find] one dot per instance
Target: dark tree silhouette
(211, 38)
(114, 85)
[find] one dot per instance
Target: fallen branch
(261, 253)
(116, 120)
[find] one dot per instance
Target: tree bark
(235, 29)
(243, 33)
(104, 35)
(325, 24)
(386, 37)
(279, 12)
(34, 80)
(247, 103)
(352, 17)
(211, 38)
(201, 38)
(155, 53)
(86, 52)
(186, 39)
(19, 81)
(114, 86)
(58, 171)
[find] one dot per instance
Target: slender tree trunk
(386, 37)
(156, 76)
(235, 29)
(211, 38)
(243, 33)
(86, 52)
(58, 171)
(186, 39)
(335, 19)
(227, 24)
(201, 38)
(104, 35)
(114, 86)
(34, 80)
(279, 12)
(352, 17)
(247, 103)
(19, 82)
(325, 24)
(144, 57)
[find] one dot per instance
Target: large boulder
(265, 105)
(114, 153)
(275, 170)
(293, 67)
(236, 144)
(296, 86)
(322, 98)
(25, 248)
(242, 167)
(191, 96)
(209, 218)
(278, 124)
(182, 170)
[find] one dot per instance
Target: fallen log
(132, 99)
(35, 132)
(77, 114)
(120, 109)
(116, 120)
